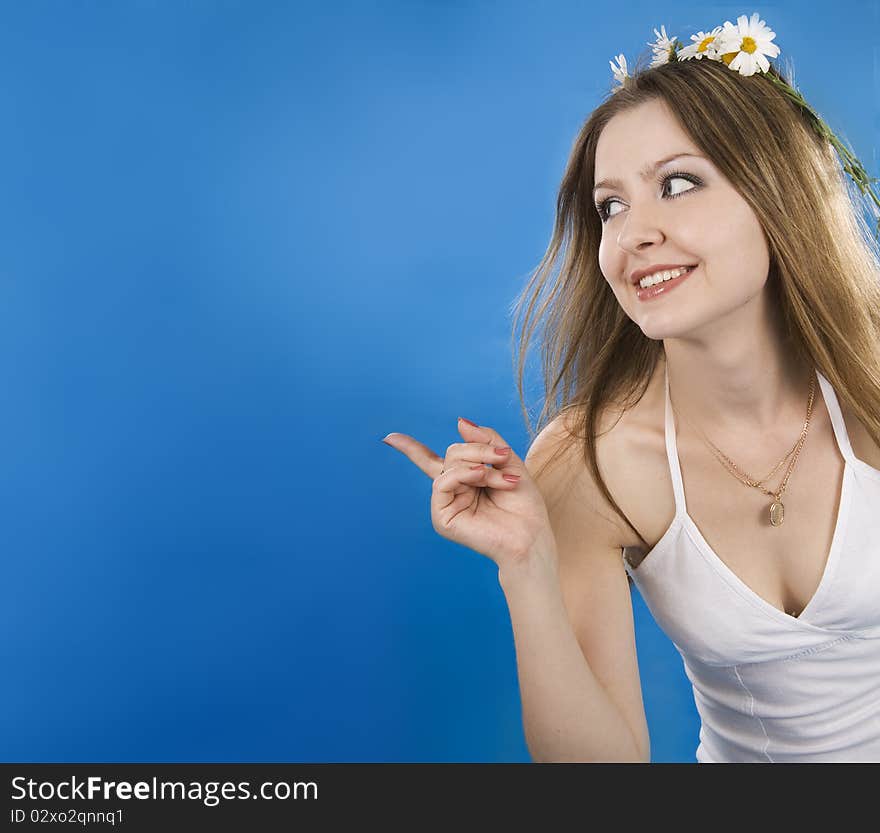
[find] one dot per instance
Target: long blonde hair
(824, 261)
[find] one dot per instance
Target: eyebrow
(645, 172)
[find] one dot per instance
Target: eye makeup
(602, 205)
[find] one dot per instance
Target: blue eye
(602, 207)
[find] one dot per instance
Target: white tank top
(770, 687)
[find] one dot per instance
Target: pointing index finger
(418, 453)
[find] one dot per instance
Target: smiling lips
(665, 275)
(662, 282)
(657, 268)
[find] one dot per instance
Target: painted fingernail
(469, 422)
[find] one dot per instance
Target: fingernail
(504, 450)
(385, 440)
(511, 477)
(469, 422)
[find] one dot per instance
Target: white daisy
(704, 44)
(745, 47)
(620, 71)
(663, 48)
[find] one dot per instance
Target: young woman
(711, 298)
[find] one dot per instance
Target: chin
(660, 327)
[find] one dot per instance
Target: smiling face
(684, 213)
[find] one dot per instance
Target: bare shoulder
(631, 456)
(556, 460)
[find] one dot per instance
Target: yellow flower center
(704, 43)
(747, 45)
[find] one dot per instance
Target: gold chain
(777, 510)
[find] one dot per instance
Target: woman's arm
(571, 612)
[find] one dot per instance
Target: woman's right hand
(473, 504)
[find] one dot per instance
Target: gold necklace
(777, 509)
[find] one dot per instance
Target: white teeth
(659, 277)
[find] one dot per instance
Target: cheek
(609, 260)
(728, 237)
(740, 249)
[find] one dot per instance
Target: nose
(639, 230)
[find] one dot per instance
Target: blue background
(241, 243)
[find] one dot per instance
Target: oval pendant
(777, 513)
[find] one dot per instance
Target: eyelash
(602, 207)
